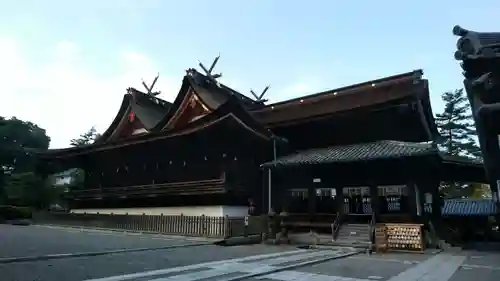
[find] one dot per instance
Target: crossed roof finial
(150, 88)
(208, 72)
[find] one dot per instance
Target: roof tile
(467, 207)
(384, 149)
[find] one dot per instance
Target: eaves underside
(348, 90)
(337, 104)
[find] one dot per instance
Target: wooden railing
(372, 229)
(200, 226)
(336, 226)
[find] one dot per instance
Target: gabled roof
(155, 113)
(367, 86)
(149, 109)
(211, 95)
(231, 114)
(366, 94)
(230, 109)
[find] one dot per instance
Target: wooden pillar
(263, 193)
(436, 200)
(412, 200)
(374, 201)
(268, 191)
(311, 200)
(419, 195)
(275, 194)
(339, 198)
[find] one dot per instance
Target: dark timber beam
(339, 198)
(412, 200)
(479, 53)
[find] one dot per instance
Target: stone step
(356, 224)
(353, 244)
(354, 233)
(354, 230)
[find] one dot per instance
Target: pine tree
(458, 132)
(456, 126)
(86, 138)
(78, 175)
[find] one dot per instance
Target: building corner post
(269, 190)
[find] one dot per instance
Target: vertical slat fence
(200, 226)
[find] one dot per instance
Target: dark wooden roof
(385, 149)
(230, 114)
(155, 113)
(453, 159)
(210, 94)
(122, 112)
(346, 98)
(149, 109)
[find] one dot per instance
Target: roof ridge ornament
(473, 45)
(208, 72)
(150, 88)
(260, 98)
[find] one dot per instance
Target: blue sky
(65, 64)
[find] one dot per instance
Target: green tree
(28, 189)
(456, 126)
(86, 138)
(458, 138)
(78, 175)
(17, 139)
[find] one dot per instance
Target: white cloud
(64, 95)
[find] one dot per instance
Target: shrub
(14, 212)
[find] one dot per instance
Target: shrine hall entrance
(392, 200)
(356, 201)
(300, 201)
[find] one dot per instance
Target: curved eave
(233, 109)
(352, 99)
(210, 96)
(149, 109)
(120, 116)
(181, 96)
(230, 111)
(348, 90)
(427, 111)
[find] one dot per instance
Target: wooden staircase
(353, 235)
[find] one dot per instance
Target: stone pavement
(212, 263)
(292, 266)
(258, 266)
(32, 241)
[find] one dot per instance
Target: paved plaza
(144, 257)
